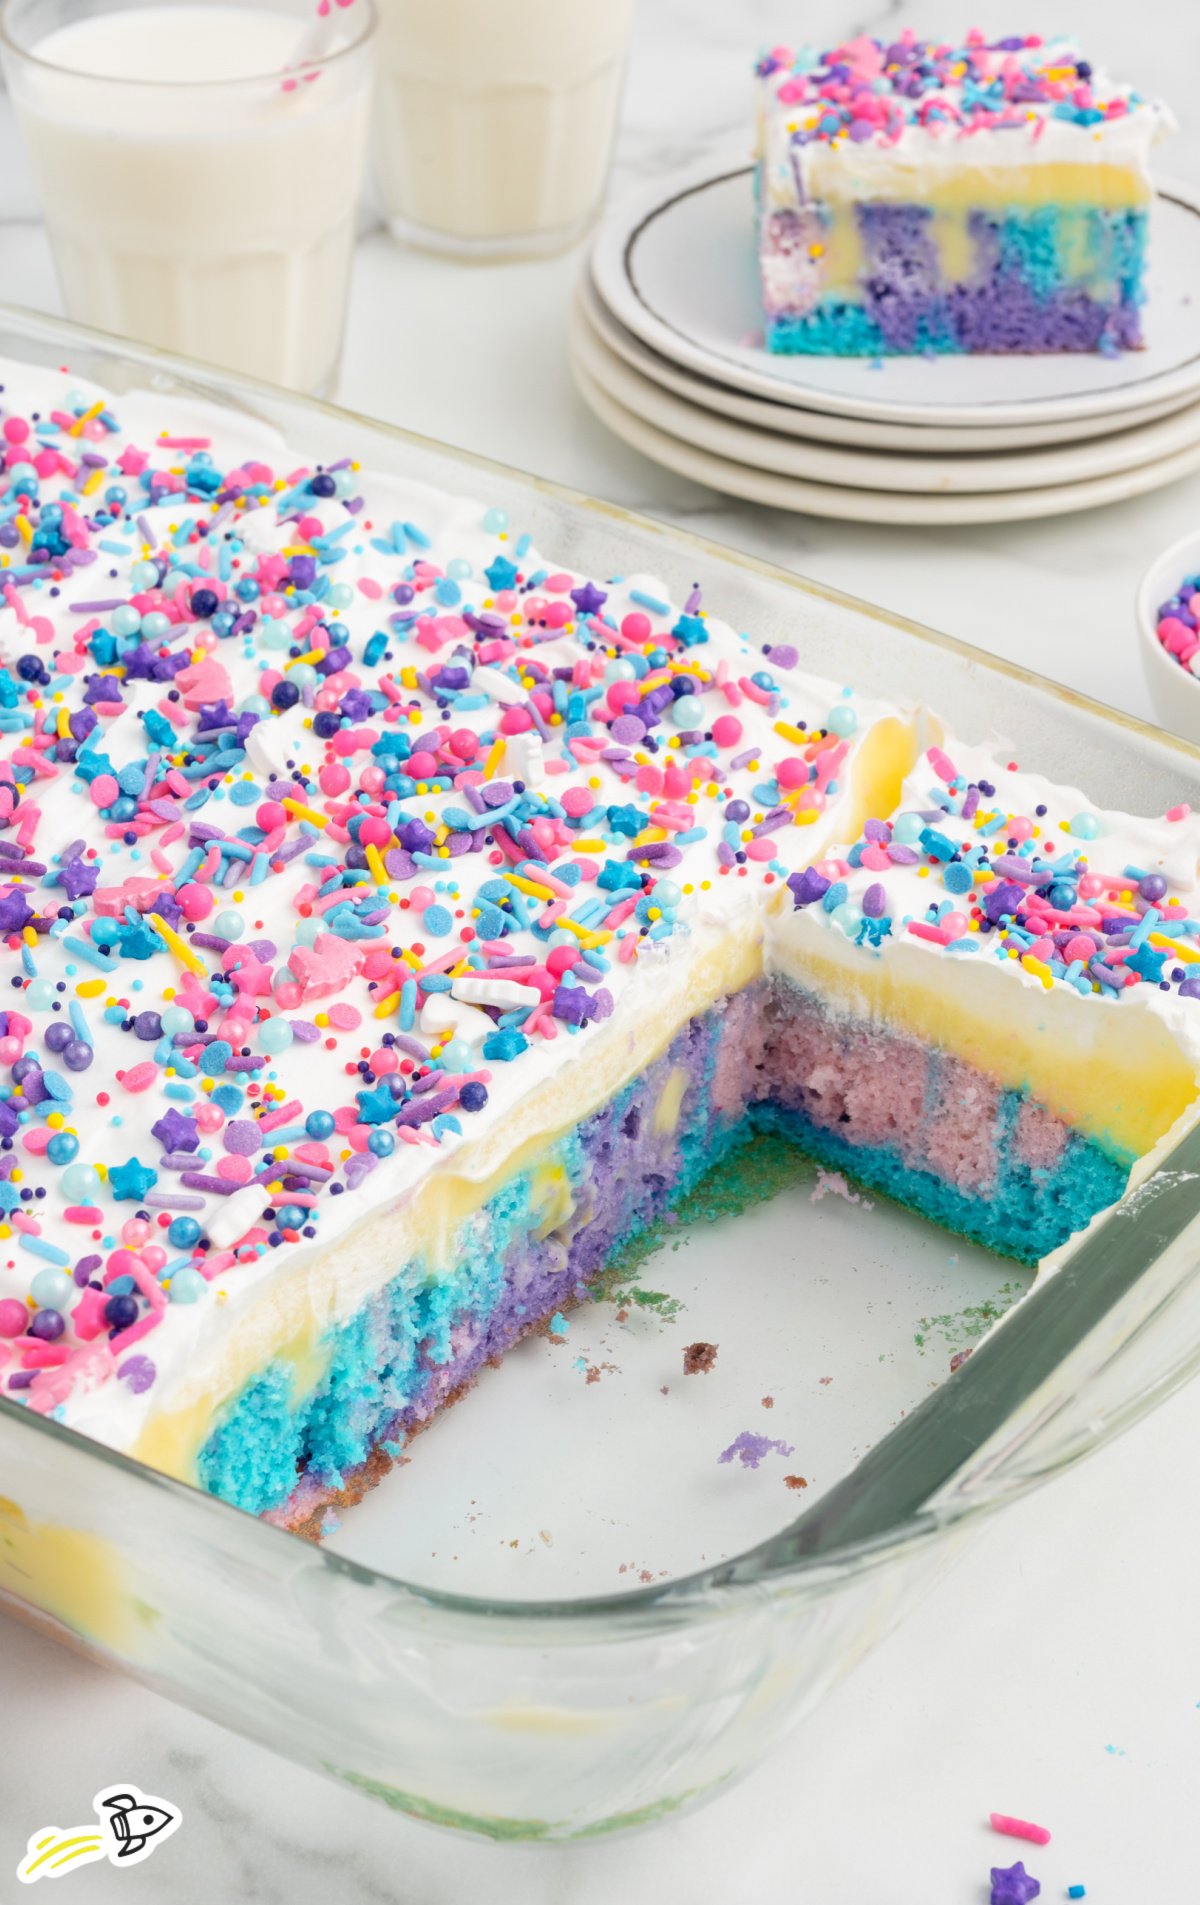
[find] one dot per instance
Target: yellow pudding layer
(837, 179)
(1110, 1071)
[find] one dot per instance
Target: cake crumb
(698, 1358)
(795, 1481)
(768, 1402)
(833, 1184)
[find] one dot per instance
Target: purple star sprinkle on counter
(1013, 1885)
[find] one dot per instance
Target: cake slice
(915, 196)
(986, 1006)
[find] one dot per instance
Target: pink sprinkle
(140, 1077)
(941, 764)
(1019, 1829)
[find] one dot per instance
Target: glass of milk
(494, 119)
(199, 166)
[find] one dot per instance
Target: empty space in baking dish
(589, 1461)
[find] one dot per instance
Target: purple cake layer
(1048, 280)
(419, 1344)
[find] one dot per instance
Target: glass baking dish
(543, 1709)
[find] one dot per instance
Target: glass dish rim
(751, 1570)
(366, 10)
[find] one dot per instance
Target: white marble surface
(1056, 1673)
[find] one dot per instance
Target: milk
(195, 200)
(495, 118)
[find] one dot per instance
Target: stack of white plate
(666, 345)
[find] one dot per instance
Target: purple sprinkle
(243, 1137)
(874, 903)
(138, 1372)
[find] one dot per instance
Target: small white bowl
(1174, 691)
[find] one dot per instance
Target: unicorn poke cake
(916, 196)
(397, 922)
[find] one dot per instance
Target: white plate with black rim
(678, 268)
(1048, 467)
(808, 497)
(819, 426)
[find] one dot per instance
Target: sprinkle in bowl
(1170, 660)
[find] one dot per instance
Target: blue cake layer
(1026, 1213)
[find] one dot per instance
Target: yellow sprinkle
(1039, 968)
(1173, 947)
(93, 483)
(26, 531)
(529, 886)
(796, 736)
(584, 934)
(90, 988)
(313, 655)
(587, 846)
(386, 1007)
(29, 935)
(299, 811)
(178, 946)
(376, 865)
(89, 416)
(495, 756)
(804, 816)
(64, 724)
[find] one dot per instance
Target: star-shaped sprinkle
(589, 600)
(1147, 963)
(376, 1107)
(175, 1132)
(130, 1182)
(1013, 1885)
(501, 573)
